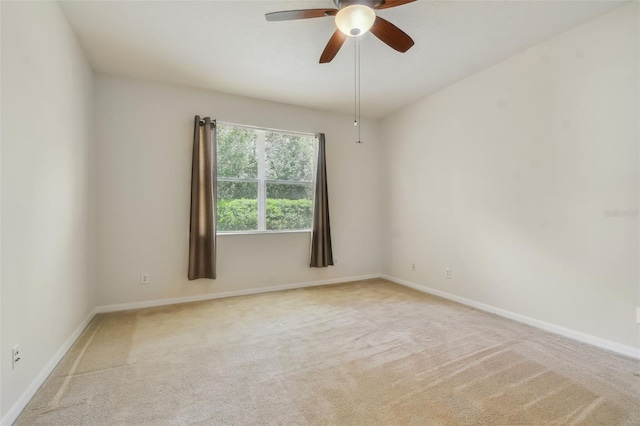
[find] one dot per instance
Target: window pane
(237, 206)
(289, 157)
(237, 152)
(289, 206)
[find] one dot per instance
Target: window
(265, 179)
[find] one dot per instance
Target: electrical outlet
(15, 356)
(144, 278)
(638, 315)
(413, 266)
(447, 273)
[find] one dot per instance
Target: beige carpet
(367, 353)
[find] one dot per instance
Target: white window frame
(262, 181)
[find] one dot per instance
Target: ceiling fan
(353, 18)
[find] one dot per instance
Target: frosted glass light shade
(355, 20)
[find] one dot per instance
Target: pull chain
(355, 82)
(356, 88)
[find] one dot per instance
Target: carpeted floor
(366, 353)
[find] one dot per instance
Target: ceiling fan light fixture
(355, 20)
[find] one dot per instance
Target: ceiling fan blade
(391, 35)
(386, 4)
(335, 43)
(288, 15)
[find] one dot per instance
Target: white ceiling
(228, 46)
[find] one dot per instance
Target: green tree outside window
(265, 180)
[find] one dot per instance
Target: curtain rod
(261, 128)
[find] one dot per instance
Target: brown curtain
(321, 253)
(202, 234)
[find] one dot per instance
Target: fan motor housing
(341, 4)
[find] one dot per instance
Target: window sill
(295, 231)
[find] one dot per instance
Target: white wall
(47, 107)
(145, 133)
(1, 357)
(505, 177)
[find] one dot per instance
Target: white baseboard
(619, 348)
(26, 396)
(210, 296)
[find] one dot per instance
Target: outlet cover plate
(15, 356)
